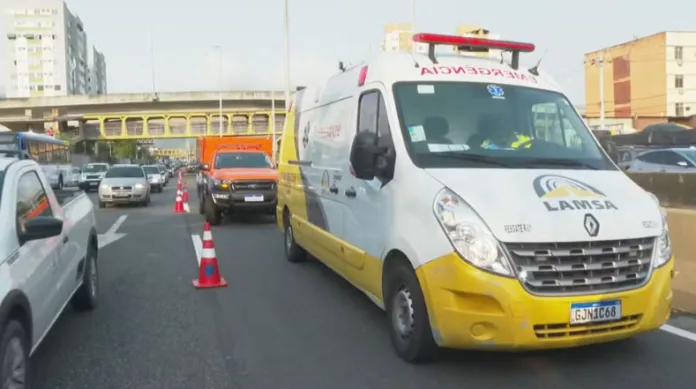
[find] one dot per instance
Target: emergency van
(467, 198)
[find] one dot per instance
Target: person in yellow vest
(497, 136)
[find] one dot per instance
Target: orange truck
(237, 174)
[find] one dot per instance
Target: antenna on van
(535, 69)
(341, 66)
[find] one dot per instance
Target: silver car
(124, 184)
(155, 177)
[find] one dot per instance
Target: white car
(74, 177)
(49, 258)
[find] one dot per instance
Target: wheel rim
(93, 278)
(402, 313)
(14, 364)
(288, 239)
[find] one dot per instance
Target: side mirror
(610, 147)
(40, 227)
(364, 153)
(205, 167)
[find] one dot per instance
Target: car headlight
(663, 245)
(104, 186)
(469, 235)
(139, 186)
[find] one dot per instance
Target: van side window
(32, 200)
(373, 117)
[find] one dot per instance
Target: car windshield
(95, 168)
(456, 124)
(245, 160)
(125, 172)
(690, 154)
(151, 170)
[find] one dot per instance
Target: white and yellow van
(467, 198)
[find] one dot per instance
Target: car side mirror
(610, 147)
(205, 167)
(40, 227)
(364, 154)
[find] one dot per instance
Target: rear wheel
(409, 329)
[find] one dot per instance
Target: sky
(178, 40)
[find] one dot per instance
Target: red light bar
(454, 40)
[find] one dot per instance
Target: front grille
(127, 187)
(565, 330)
(92, 177)
(115, 187)
(253, 185)
(582, 267)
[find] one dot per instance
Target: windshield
(252, 160)
(95, 168)
(151, 170)
(455, 124)
(690, 154)
(125, 172)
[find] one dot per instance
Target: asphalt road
(280, 325)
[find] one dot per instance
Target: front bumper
(470, 308)
(261, 200)
(122, 197)
(89, 184)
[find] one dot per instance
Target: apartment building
(399, 37)
(45, 50)
(652, 77)
(97, 72)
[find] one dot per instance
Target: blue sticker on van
(496, 91)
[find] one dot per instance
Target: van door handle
(65, 239)
(350, 192)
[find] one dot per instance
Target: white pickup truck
(48, 257)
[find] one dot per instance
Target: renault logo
(591, 225)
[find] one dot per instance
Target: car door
(367, 207)
(41, 276)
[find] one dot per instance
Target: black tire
(414, 342)
(102, 204)
(293, 252)
(14, 346)
(212, 214)
(85, 299)
(201, 203)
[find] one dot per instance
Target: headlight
(469, 235)
(104, 186)
(663, 245)
(139, 186)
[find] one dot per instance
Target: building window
(679, 109)
(57, 87)
(678, 52)
(679, 81)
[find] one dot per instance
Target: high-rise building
(650, 77)
(399, 37)
(97, 72)
(45, 50)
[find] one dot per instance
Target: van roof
(392, 67)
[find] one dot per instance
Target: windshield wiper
(474, 158)
(538, 162)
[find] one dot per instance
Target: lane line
(198, 247)
(117, 224)
(186, 207)
(679, 332)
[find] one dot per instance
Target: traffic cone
(208, 271)
(179, 203)
(185, 195)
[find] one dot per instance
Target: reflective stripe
(208, 254)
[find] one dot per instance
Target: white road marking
(114, 227)
(186, 208)
(198, 247)
(679, 332)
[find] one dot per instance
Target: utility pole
(413, 24)
(601, 90)
(286, 22)
(219, 48)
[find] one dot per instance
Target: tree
(125, 149)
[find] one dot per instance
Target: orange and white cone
(208, 270)
(179, 203)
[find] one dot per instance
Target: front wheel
(85, 299)
(14, 351)
(212, 214)
(409, 329)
